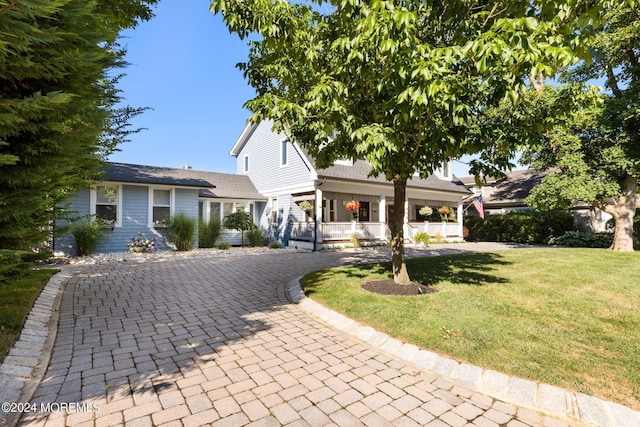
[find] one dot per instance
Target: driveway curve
(192, 341)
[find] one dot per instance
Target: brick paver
(216, 341)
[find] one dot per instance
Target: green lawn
(16, 299)
(567, 317)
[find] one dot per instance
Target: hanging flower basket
(444, 212)
(305, 205)
(425, 211)
(352, 206)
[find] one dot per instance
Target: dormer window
(344, 161)
(444, 171)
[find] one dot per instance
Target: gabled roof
(211, 184)
(242, 139)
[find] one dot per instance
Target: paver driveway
(199, 341)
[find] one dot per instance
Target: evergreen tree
(58, 105)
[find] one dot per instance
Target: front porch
(333, 218)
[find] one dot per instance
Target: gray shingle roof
(211, 184)
(514, 187)
(361, 169)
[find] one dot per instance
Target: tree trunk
(400, 273)
(623, 212)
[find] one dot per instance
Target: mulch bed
(389, 287)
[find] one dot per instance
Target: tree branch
(612, 81)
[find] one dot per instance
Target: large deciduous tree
(59, 104)
(596, 145)
(399, 83)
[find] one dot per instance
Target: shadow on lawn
(475, 269)
(462, 269)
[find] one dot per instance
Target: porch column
(382, 216)
(460, 218)
(206, 211)
(406, 211)
(318, 218)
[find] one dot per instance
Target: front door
(363, 212)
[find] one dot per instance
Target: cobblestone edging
(26, 362)
(546, 398)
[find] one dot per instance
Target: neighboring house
(307, 206)
(507, 194)
(137, 198)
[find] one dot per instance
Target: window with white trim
(283, 153)
(106, 203)
(246, 164)
(161, 206)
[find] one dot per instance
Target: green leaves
(58, 114)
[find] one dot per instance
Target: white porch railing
(344, 230)
(333, 231)
(339, 230)
(446, 229)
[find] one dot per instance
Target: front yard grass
(567, 317)
(17, 296)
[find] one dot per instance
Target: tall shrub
(86, 236)
(181, 228)
(256, 237)
(208, 233)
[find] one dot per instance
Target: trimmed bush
(208, 233)
(275, 245)
(520, 227)
(87, 235)
(583, 239)
(255, 237)
(181, 228)
(224, 246)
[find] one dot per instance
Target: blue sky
(183, 67)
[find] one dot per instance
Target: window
(106, 206)
(246, 164)
(161, 207)
(446, 173)
(227, 209)
(215, 211)
(274, 210)
(283, 153)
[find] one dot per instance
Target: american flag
(477, 203)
